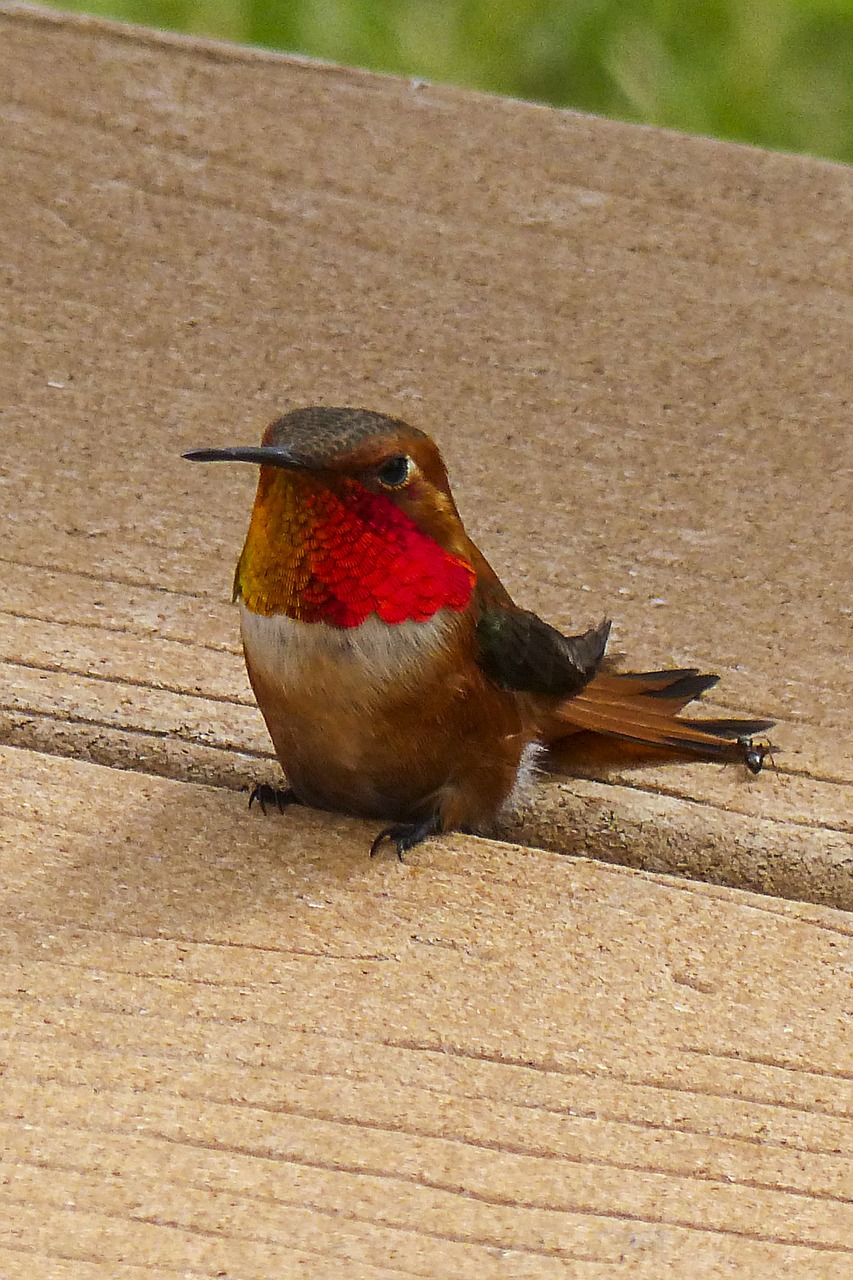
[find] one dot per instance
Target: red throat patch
(336, 556)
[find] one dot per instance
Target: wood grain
(233, 1045)
(632, 346)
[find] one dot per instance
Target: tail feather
(685, 688)
(643, 708)
(681, 685)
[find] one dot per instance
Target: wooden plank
(631, 345)
(236, 1043)
(233, 1045)
(138, 701)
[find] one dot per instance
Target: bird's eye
(395, 471)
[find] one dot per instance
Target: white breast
(341, 664)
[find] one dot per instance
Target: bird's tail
(643, 709)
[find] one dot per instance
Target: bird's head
(353, 515)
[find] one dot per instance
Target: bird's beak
(266, 455)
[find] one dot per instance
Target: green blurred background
(778, 73)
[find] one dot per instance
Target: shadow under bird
(397, 677)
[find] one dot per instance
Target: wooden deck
(616, 1044)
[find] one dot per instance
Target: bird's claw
(405, 835)
(267, 795)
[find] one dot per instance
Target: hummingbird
(397, 677)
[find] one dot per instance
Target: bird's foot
(267, 795)
(754, 753)
(405, 835)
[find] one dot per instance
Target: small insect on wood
(754, 753)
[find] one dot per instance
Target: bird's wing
(519, 651)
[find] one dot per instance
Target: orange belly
(386, 721)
